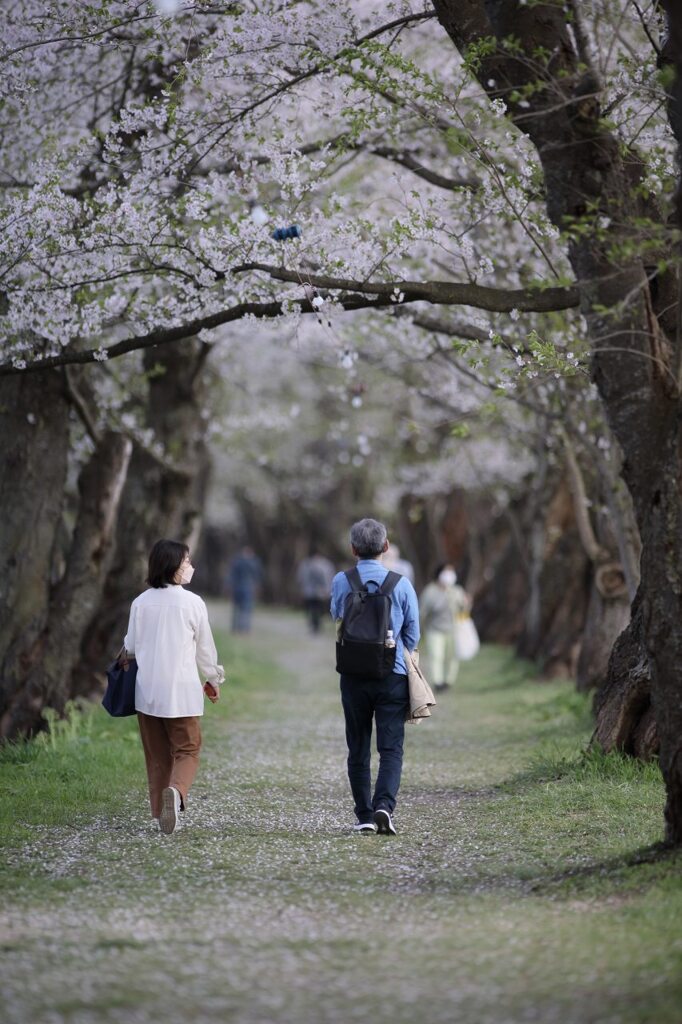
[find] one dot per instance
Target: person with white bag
(444, 610)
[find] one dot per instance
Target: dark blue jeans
(386, 701)
(242, 606)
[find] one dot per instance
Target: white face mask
(448, 577)
(186, 574)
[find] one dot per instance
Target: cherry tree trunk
(34, 445)
(163, 497)
(633, 331)
(498, 577)
(55, 650)
(625, 718)
(561, 571)
(607, 616)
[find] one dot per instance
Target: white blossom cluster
(138, 145)
(152, 149)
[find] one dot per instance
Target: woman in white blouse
(169, 635)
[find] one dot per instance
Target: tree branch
(166, 336)
(304, 76)
(363, 295)
(593, 549)
(409, 161)
(440, 293)
(466, 331)
(81, 407)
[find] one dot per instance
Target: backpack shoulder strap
(390, 583)
(355, 580)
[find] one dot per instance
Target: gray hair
(368, 537)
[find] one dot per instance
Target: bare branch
(81, 407)
(406, 159)
(465, 331)
(304, 76)
(649, 36)
(593, 549)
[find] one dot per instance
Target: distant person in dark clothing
(244, 577)
(314, 576)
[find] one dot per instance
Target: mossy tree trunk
(633, 329)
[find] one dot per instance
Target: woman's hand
(212, 692)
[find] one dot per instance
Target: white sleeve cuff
(219, 677)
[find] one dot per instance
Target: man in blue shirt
(385, 701)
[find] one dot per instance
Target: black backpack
(361, 646)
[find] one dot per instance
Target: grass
(88, 764)
(525, 884)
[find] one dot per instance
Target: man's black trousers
(386, 702)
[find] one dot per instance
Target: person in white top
(169, 635)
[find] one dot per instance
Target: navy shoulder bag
(119, 699)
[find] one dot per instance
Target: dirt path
(266, 908)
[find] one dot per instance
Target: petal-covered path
(487, 907)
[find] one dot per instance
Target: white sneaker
(170, 808)
(364, 827)
(384, 823)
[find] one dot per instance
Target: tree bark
(634, 363)
(163, 497)
(623, 709)
(56, 649)
(662, 559)
(34, 445)
(608, 614)
(563, 587)
(608, 609)
(500, 594)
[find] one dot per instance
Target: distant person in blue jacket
(244, 577)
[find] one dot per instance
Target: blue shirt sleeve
(339, 590)
(410, 605)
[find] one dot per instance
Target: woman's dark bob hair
(165, 559)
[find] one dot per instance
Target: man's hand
(212, 692)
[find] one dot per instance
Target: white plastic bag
(467, 644)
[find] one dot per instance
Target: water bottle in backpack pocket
(366, 646)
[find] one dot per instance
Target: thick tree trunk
(563, 588)
(34, 445)
(662, 618)
(662, 561)
(608, 614)
(163, 497)
(625, 719)
(536, 532)
(635, 365)
(608, 610)
(500, 593)
(56, 649)
(424, 528)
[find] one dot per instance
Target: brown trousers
(171, 751)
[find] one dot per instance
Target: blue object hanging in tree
(281, 234)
